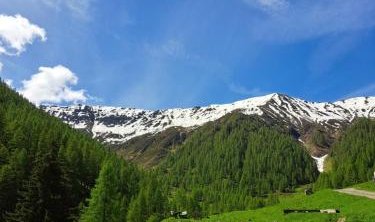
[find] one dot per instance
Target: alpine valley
(251, 155)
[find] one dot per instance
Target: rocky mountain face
(314, 124)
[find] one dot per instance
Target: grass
(369, 186)
(354, 209)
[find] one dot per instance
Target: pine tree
(43, 194)
(2, 126)
(4, 154)
(137, 209)
(111, 195)
(11, 177)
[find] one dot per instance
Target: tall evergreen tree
(112, 193)
(44, 195)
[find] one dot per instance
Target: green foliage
(112, 193)
(352, 156)
(45, 194)
(151, 202)
(233, 164)
(46, 168)
(50, 172)
(369, 186)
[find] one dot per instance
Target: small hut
(308, 191)
(179, 214)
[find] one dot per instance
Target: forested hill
(51, 172)
(231, 163)
(352, 159)
(145, 136)
(48, 170)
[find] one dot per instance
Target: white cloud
(52, 85)
(16, 32)
(1, 67)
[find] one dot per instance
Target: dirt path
(356, 192)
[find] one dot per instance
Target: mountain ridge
(116, 125)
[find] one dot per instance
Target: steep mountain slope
(142, 136)
(39, 158)
(149, 149)
(117, 125)
(233, 163)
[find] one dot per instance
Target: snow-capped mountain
(116, 125)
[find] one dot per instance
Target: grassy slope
(369, 186)
(351, 207)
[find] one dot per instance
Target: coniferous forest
(352, 159)
(235, 163)
(51, 172)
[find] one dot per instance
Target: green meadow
(352, 208)
(369, 186)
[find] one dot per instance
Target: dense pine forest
(235, 163)
(50, 172)
(352, 159)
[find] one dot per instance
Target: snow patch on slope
(320, 162)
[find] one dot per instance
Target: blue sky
(162, 54)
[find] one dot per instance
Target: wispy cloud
(168, 76)
(305, 19)
(337, 24)
(171, 48)
(269, 6)
(330, 52)
(239, 89)
(368, 90)
(81, 9)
